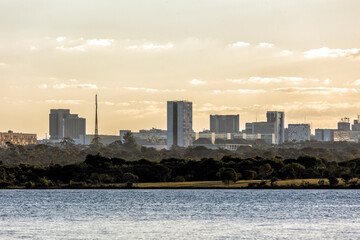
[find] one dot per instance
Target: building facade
(298, 132)
(17, 138)
(224, 123)
(278, 118)
(179, 123)
(63, 124)
(344, 124)
(324, 135)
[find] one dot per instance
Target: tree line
(98, 170)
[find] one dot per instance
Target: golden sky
(227, 57)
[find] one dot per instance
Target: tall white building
(179, 123)
(279, 119)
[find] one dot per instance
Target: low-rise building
(324, 135)
(17, 138)
(298, 132)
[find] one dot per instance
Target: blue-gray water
(179, 214)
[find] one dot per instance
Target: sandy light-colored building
(17, 138)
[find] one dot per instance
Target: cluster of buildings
(344, 132)
(224, 131)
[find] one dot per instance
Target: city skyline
(242, 58)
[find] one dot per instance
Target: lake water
(179, 214)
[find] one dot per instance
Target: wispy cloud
(286, 52)
(82, 44)
(62, 101)
(2, 64)
(60, 39)
(240, 90)
(265, 44)
(240, 44)
(197, 82)
(357, 83)
(99, 42)
(80, 85)
(268, 80)
(152, 46)
(326, 52)
(316, 90)
(153, 90)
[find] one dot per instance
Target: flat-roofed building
(324, 135)
(63, 124)
(298, 132)
(224, 123)
(17, 138)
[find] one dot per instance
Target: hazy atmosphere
(227, 57)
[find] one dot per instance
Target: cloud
(240, 44)
(240, 90)
(44, 86)
(82, 44)
(62, 101)
(2, 64)
(264, 80)
(197, 82)
(316, 90)
(286, 52)
(60, 39)
(107, 103)
(265, 44)
(152, 46)
(100, 42)
(326, 52)
(80, 85)
(211, 108)
(153, 90)
(236, 80)
(80, 48)
(357, 83)
(268, 80)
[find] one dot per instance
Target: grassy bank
(316, 183)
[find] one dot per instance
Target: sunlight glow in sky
(227, 57)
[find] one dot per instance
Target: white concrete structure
(179, 123)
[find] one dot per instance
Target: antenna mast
(96, 138)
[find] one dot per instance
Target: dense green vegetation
(97, 170)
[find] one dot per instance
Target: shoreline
(198, 185)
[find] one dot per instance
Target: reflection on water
(180, 214)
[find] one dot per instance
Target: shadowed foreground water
(179, 214)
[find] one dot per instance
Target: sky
(227, 57)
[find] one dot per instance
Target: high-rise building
(224, 123)
(63, 124)
(279, 119)
(179, 123)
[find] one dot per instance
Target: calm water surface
(179, 214)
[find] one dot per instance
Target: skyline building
(298, 132)
(64, 124)
(279, 127)
(17, 138)
(179, 123)
(224, 123)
